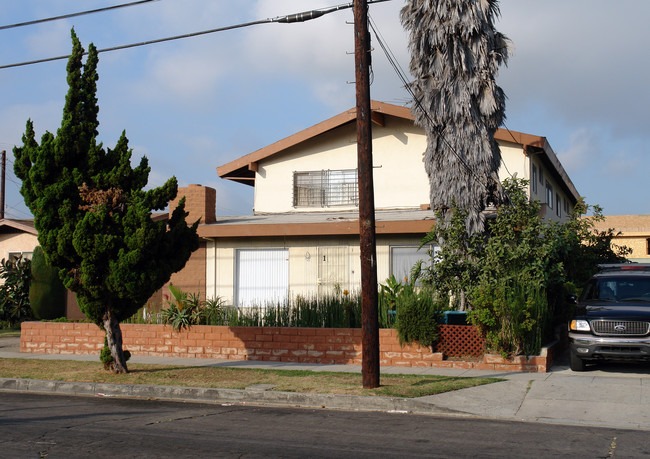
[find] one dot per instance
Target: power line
(287, 19)
(72, 15)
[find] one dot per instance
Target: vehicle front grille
(620, 327)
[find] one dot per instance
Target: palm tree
(455, 55)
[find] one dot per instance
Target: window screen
(326, 188)
(262, 277)
(402, 259)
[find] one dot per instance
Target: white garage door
(262, 277)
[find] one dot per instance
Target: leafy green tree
(516, 276)
(14, 291)
(93, 216)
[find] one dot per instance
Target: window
(567, 209)
(262, 277)
(558, 207)
(541, 175)
(533, 181)
(326, 188)
(13, 256)
(647, 246)
(549, 195)
(402, 259)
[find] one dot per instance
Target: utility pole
(3, 154)
(369, 313)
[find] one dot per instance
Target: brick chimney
(200, 202)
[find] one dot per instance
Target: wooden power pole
(3, 173)
(369, 309)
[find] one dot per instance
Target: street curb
(234, 396)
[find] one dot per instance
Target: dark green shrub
(512, 316)
(107, 359)
(418, 313)
(46, 291)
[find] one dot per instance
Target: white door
(333, 269)
(262, 277)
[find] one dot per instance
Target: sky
(577, 75)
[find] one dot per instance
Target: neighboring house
(18, 238)
(303, 238)
(634, 232)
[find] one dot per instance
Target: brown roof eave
(351, 227)
(26, 226)
(243, 169)
(238, 166)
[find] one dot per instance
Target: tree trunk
(114, 338)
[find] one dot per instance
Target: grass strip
(303, 381)
(8, 333)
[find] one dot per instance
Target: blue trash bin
(454, 318)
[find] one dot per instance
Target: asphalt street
(43, 425)
(614, 395)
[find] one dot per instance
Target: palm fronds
(455, 55)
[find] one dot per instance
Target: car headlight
(579, 325)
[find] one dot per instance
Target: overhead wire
(286, 19)
(72, 15)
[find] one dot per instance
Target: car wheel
(576, 363)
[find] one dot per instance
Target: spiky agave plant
(455, 55)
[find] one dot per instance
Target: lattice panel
(459, 340)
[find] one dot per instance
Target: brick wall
(299, 345)
(190, 279)
(200, 202)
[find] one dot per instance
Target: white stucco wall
(17, 242)
(514, 162)
(399, 177)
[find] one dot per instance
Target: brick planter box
(299, 345)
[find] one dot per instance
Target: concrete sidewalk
(609, 395)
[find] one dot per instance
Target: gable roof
(243, 169)
(8, 225)
(627, 225)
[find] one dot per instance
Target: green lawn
(237, 378)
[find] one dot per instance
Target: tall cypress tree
(93, 216)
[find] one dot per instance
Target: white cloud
(50, 39)
(622, 165)
(583, 59)
(584, 148)
(187, 78)
(46, 117)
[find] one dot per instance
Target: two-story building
(303, 236)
